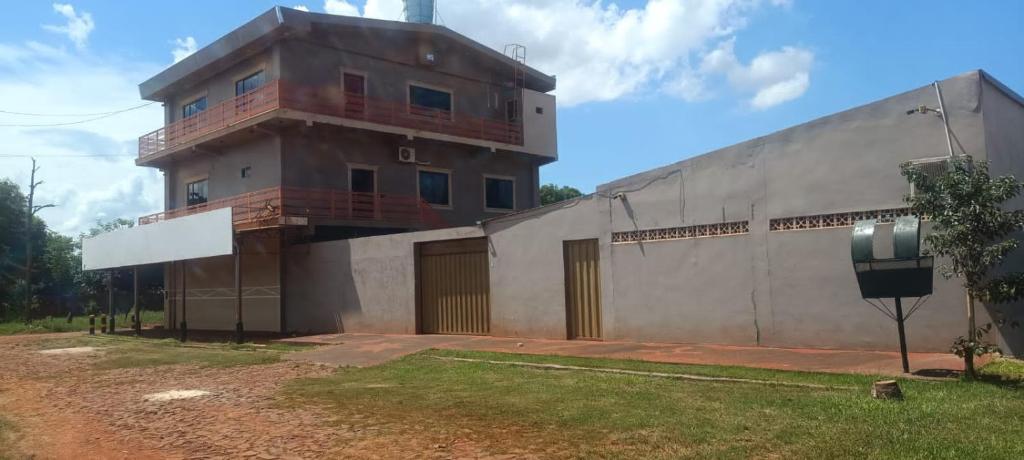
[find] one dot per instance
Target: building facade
(747, 245)
(315, 127)
(334, 174)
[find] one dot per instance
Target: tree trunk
(972, 338)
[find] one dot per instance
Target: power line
(76, 122)
(35, 114)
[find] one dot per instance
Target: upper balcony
(281, 99)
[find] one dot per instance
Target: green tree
(551, 193)
(13, 205)
(60, 274)
(973, 231)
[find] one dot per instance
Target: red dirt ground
(62, 409)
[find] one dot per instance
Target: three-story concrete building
(314, 127)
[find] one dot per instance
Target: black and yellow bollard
(92, 324)
(103, 323)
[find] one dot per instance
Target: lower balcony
(289, 206)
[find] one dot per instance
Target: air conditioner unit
(931, 167)
(407, 154)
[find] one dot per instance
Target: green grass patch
(596, 414)
(78, 323)
(7, 450)
(131, 352)
(1004, 370)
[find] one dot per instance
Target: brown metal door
(454, 287)
(582, 289)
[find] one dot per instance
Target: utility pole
(30, 213)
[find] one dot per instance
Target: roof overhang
(279, 22)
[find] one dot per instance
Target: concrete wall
(210, 288)
(1004, 146)
(357, 285)
(540, 127)
(221, 87)
(223, 170)
(787, 288)
(321, 157)
(390, 64)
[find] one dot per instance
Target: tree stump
(886, 389)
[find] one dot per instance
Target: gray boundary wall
(785, 288)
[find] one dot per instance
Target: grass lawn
(79, 323)
(592, 414)
(7, 450)
(130, 352)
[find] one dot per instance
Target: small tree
(973, 231)
(551, 193)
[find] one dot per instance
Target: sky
(640, 83)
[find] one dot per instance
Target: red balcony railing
(278, 94)
(263, 208)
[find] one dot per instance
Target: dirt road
(64, 408)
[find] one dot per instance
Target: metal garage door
(582, 289)
(454, 287)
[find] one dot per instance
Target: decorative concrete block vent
(173, 395)
(70, 351)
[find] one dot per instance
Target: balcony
(281, 206)
(277, 94)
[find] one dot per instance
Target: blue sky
(635, 93)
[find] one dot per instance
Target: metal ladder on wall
(517, 53)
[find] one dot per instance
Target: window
(246, 172)
(512, 110)
(354, 87)
(249, 83)
(195, 192)
(354, 84)
(435, 187)
(364, 180)
(193, 107)
(499, 193)
(426, 98)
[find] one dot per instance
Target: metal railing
(328, 101)
(263, 208)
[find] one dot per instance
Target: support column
(239, 329)
(135, 299)
(903, 336)
(184, 324)
(110, 301)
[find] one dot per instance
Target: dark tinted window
(430, 98)
(434, 188)
(195, 192)
(193, 107)
(363, 181)
(499, 193)
(249, 83)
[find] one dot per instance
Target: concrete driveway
(370, 349)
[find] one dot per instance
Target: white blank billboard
(205, 234)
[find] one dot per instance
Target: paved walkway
(370, 349)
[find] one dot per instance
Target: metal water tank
(419, 11)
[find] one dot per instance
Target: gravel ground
(65, 409)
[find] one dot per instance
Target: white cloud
(341, 7)
(773, 77)
(301, 8)
(78, 26)
(183, 48)
(88, 169)
(598, 50)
